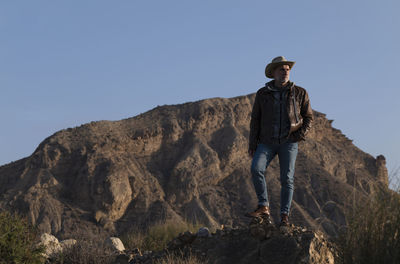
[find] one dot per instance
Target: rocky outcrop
(259, 243)
(175, 162)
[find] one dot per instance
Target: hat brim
(270, 67)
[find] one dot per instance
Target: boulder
(51, 243)
(115, 244)
(203, 232)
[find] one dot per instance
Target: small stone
(203, 232)
(187, 237)
(227, 229)
(114, 243)
(122, 259)
(285, 230)
(141, 258)
(136, 251)
(173, 244)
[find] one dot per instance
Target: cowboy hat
(280, 60)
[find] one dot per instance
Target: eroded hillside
(186, 161)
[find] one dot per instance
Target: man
(281, 117)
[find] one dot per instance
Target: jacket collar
(271, 87)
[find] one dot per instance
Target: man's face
(281, 73)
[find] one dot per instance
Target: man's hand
(251, 152)
(298, 135)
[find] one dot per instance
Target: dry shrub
(157, 236)
(394, 179)
(89, 249)
(179, 258)
(373, 232)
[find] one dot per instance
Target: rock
(227, 229)
(174, 244)
(203, 232)
(187, 237)
(382, 172)
(181, 241)
(297, 246)
(136, 252)
(319, 251)
(122, 259)
(51, 244)
(115, 244)
(258, 232)
(68, 243)
(261, 228)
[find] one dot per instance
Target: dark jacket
(300, 116)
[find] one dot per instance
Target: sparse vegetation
(157, 236)
(181, 259)
(85, 251)
(18, 240)
(373, 232)
(394, 179)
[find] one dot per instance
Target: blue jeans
(287, 153)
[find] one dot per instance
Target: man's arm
(307, 114)
(255, 124)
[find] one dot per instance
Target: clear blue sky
(65, 63)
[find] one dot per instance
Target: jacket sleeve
(255, 124)
(307, 114)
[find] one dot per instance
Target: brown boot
(284, 220)
(259, 212)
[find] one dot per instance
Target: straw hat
(280, 60)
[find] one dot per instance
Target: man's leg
(287, 154)
(262, 157)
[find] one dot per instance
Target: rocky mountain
(180, 162)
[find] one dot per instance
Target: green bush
(156, 237)
(373, 231)
(18, 240)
